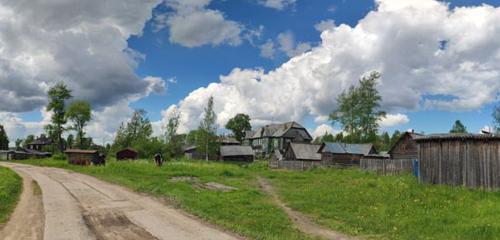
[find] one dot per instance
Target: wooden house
(302, 152)
(342, 154)
(405, 147)
(236, 153)
(82, 157)
(269, 138)
(471, 160)
(39, 143)
(228, 141)
(126, 154)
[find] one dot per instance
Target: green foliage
(29, 139)
(10, 190)
(59, 157)
(136, 134)
(206, 139)
(58, 95)
(4, 140)
(70, 141)
(19, 143)
(496, 118)
(327, 137)
(358, 112)
(239, 124)
(174, 141)
(79, 113)
(458, 127)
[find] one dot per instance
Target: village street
(77, 206)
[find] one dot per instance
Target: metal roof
(458, 136)
(227, 151)
(304, 151)
(344, 148)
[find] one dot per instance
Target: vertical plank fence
(387, 166)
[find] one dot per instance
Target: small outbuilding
(342, 154)
(302, 152)
(235, 153)
(405, 147)
(82, 157)
(471, 160)
(126, 154)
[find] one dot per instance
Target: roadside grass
(10, 190)
(245, 211)
(389, 207)
(349, 201)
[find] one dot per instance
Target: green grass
(246, 211)
(10, 189)
(390, 207)
(349, 201)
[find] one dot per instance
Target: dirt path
(302, 222)
(27, 220)
(78, 206)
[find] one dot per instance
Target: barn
(471, 160)
(343, 154)
(236, 153)
(126, 154)
(302, 152)
(82, 157)
(405, 147)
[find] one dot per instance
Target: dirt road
(78, 206)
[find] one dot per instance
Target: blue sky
(425, 86)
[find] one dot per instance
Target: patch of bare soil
(302, 222)
(184, 179)
(214, 187)
(114, 226)
(27, 220)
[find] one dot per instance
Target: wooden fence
(294, 165)
(387, 166)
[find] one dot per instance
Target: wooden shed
(126, 154)
(343, 154)
(237, 153)
(405, 147)
(302, 152)
(82, 157)
(471, 160)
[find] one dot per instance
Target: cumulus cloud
(391, 120)
(267, 50)
(325, 25)
(401, 39)
(82, 43)
(277, 4)
(288, 45)
(192, 24)
(324, 129)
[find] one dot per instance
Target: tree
(239, 124)
(4, 140)
(395, 137)
(358, 112)
(58, 95)
(496, 118)
(135, 134)
(19, 143)
(207, 139)
(29, 140)
(70, 141)
(174, 141)
(458, 127)
(79, 113)
(327, 137)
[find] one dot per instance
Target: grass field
(10, 189)
(351, 201)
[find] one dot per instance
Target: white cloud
(277, 4)
(391, 120)
(267, 50)
(325, 25)
(322, 129)
(192, 24)
(401, 39)
(288, 45)
(82, 43)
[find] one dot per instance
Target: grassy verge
(245, 211)
(390, 207)
(10, 189)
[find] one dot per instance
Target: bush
(59, 156)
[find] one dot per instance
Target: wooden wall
(405, 148)
(473, 163)
(387, 166)
(330, 159)
(83, 159)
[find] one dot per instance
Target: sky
(275, 60)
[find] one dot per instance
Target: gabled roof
(305, 151)
(412, 135)
(273, 130)
(228, 140)
(233, 150)
(344, 148)
(459, 136)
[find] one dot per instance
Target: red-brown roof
(81, 151)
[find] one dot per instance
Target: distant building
(236, 153)
(302, 152)
(82, 157)
(126, 154)
(228, 141)
(39, 143)
(269, 138)
(405, 147)
(342, 154)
